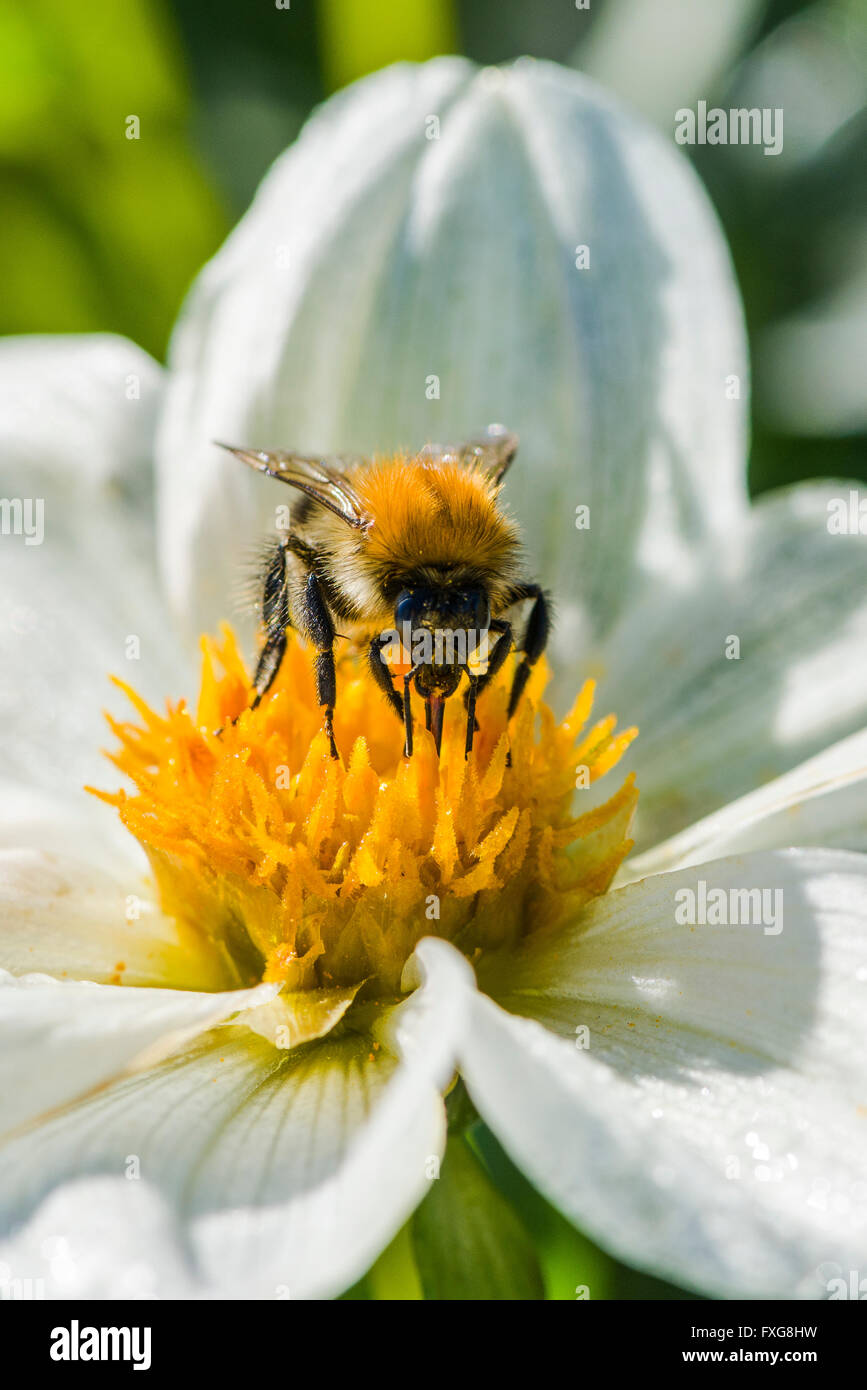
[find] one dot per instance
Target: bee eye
(481, 611)
(407, 608)
(477, 610)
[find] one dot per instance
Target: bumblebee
(413, 544)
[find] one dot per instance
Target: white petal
(77, 574)
(715, 1128)
(63, 916)
(61, 1040)
(77, 411)
(711, 728)
(387, 289)
(72, 824)
(822, 802)
(119, 1240)
(287, 1173)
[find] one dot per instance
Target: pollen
(323, 875)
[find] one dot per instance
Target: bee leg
(407, 713)
(382, 675)
(326, 693)
(270, 659)
(535, 639)
(471, 713)
(317, 624)
(499, 652)
(275, 613)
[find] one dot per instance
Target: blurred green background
(99, 231)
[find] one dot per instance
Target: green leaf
(356, 39)
(468, 1241)
(105, 224)
(394, 1277)
(572, 1266)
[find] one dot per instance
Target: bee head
(452, 608)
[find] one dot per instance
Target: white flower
(714, 1128)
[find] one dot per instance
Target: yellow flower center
(324, 875)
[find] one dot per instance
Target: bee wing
(493, 452)
(320, 478)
